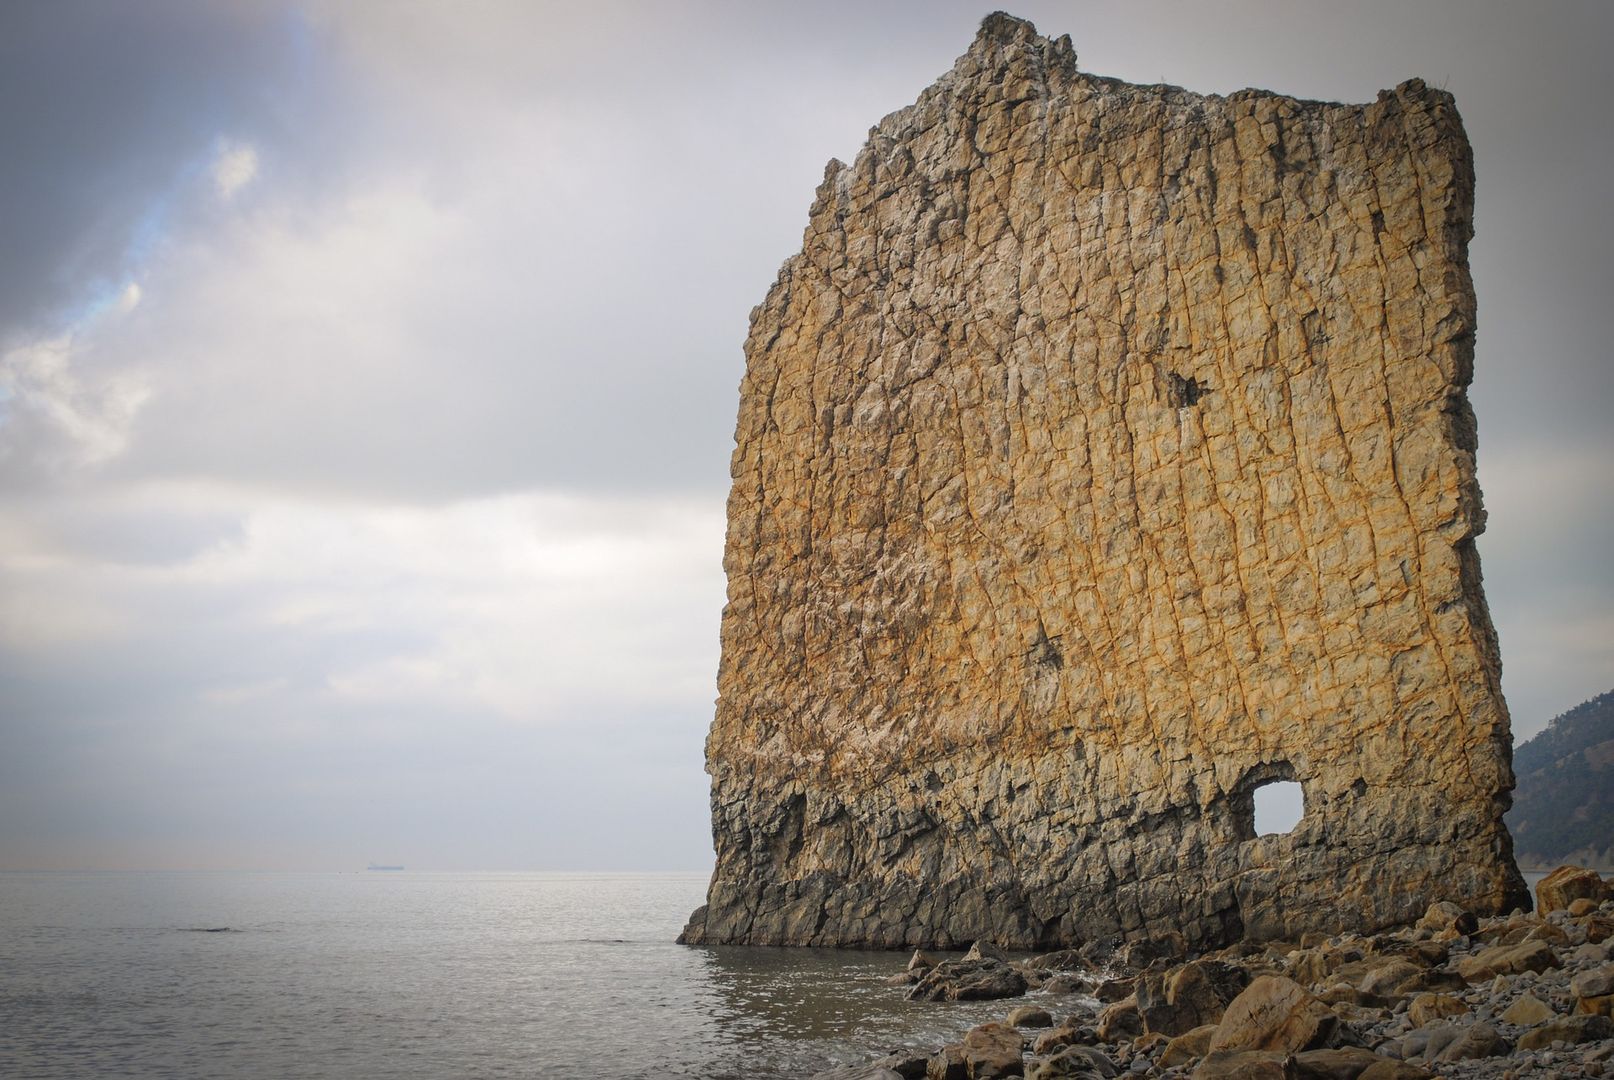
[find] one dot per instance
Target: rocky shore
(1452, 996)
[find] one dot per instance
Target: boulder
(1507, 960)
(1528, 1011)
(1388, 1069)
(1189, 996)
(1382, 979)
(1067, 983)
(985, 950)
(1563, 886)
(1345, 1063)
(1029, 1016)
(1454, 1042)
(1139, 954)
(1570, 1029)
(1063, 960)
(1072, 1063)
(947, 1064)
(1274, 1013)
(1428, 1008)
(1445, 915)
(1120, 1020)
(1115, 989)
(1190, 1046)
(992, 1051)
(1594, 983)
(1582, 906)
(921, 961)
(1245, 1065)
(1602, 1005)
(1430, 980)
(969, 980)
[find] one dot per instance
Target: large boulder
(1029, 1016)
(1559, 889)
(992, 1051)
(1428, 1008)
(1246, 1065)
(1345, 1063)
(1121, 1020)
(1528, 1011)
(1274, 1013)
(1444, 915)
(969, 980)
(1072, 1063)
(1507, 960)
(1189, 996)
(1569, 1029)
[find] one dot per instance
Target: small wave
(210, 930)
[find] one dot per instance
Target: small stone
(1582, 905)
(921, 961)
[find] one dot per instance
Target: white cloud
(59, 417)
(526, 607)
(235, 165)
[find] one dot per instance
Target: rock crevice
(1104, 454)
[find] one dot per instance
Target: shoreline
(1451, 996)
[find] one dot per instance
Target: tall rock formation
(1103, 456)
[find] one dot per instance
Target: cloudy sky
(368, 376)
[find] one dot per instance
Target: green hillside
(1563, 807)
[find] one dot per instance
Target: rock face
(1103, 456)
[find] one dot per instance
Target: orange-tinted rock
(1563, 886)
(1103, 455)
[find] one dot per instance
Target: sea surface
(402, 974)
(440, 975)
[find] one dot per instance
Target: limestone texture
(1104, 455)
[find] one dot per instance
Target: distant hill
(1563, 807)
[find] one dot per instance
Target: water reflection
(791, 1012)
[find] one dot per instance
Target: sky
(368, 375)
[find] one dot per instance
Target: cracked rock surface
(1103, 455)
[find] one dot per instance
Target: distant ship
(378, 866)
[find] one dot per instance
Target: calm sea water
(422, 975)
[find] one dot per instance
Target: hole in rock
(1279, 806)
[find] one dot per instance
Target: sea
(442, 975)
